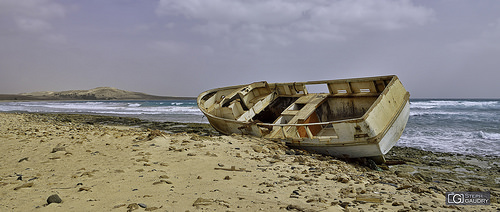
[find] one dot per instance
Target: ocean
(465, 126)
(153, 110)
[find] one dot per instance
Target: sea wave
(462, 141)
(432, 104)
(431, 113)
(102, 107)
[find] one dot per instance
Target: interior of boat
(282, 104)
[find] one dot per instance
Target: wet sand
(97, 163)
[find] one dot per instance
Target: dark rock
(397, 203)
(54, 198)
(373, 165)
(142, 205)
(344, 204)
(335, 202)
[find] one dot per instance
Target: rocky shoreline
(187, 166)
(473, 170)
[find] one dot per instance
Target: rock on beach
(54, 198)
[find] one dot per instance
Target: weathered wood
(361, 117)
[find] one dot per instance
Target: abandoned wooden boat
(360, 117)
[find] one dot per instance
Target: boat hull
(361, 117)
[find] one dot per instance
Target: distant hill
(100, 93)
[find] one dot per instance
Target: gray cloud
(32, 16)
(437, 48)
(280, 21)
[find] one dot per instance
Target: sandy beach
(94, 163)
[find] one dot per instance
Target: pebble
(344, 204)
(423, 177)
(343, 179)
(397, 204)
(133, 206)
(295, 208)
(84, 189)
(151, 208)
(54, 198)
(201, 201)
(258, 149)
(57, 149)
(26, 185)
(142, 205)
(119, 206)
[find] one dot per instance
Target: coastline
(24, 98)
(104, 162)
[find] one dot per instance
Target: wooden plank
(305, 99)
(289, 112)
(313, 130)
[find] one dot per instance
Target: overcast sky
(438, 48)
